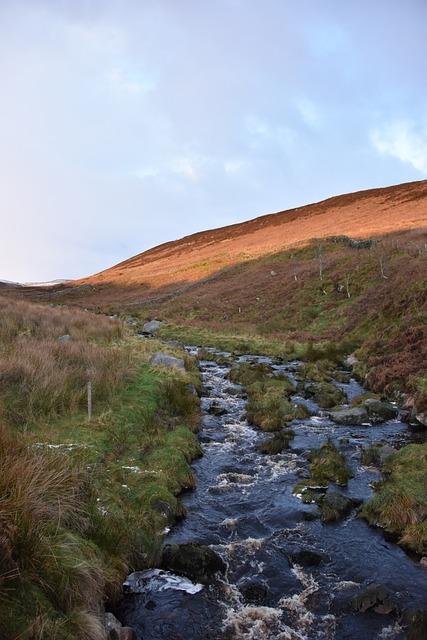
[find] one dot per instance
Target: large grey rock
(195, 561)
(151, 327)
(379, 411)
(351, 416)
(164, 360)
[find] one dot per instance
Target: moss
(327, 465)
(400, 502)
(269, 407)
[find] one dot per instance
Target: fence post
(89, 399)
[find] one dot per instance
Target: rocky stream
(255, 562)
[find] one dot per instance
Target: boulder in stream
(379, 411)
(216, 409)
(376, 597)
(334, 506)
(195, 561)
(326, 395)
(254, 590)
(350, 416)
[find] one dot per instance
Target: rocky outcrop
(163, 360)
(195, 561)
(351, 416)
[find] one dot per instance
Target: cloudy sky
(127, 123)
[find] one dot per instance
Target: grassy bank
(400, 504)
(82, 503)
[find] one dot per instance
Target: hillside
(350, 271)
(174, 266)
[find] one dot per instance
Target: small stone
(151, 327)
(65, 338)
(423, 562)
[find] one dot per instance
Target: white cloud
(403, 140)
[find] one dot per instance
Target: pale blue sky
(124, 124)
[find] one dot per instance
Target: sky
(128, 123)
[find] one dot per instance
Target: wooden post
(89, 399)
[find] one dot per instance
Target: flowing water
(244, 507)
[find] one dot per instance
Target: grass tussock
(400, 504)
(327, 465)
(51, 571)
(269, 406)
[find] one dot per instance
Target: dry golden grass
(46, 565)
(42, 376)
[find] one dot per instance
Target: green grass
(269, 406)
(89, 514)
(327, 465)
(400, 502)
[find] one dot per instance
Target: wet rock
(334, 506)
(306, 558)
(375, 597)
(164, 360)
(254, 590)
(197, 562)
(115, 631)
(351, 416)
(309, 516)
(150, 328)
(278, 443)
(326, 395)
(379, 411)
(418, 627)
(216, 409)
(423, 562)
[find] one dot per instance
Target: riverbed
(289, 576)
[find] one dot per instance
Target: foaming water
(244, 507)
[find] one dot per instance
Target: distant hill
(173, 266)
